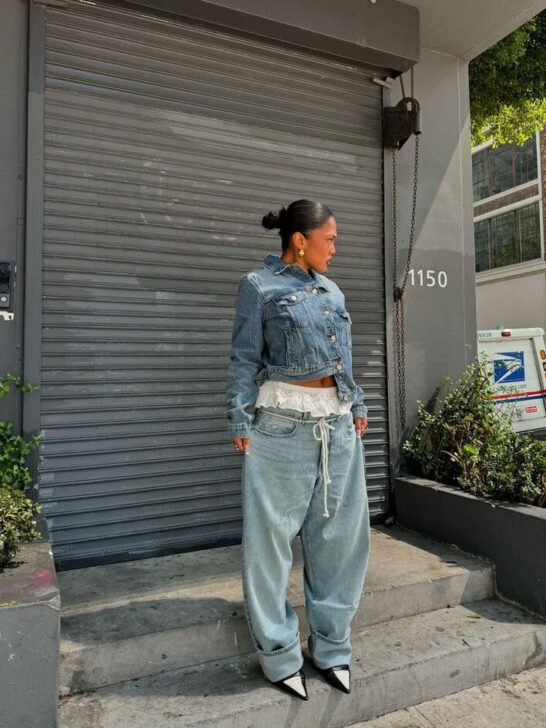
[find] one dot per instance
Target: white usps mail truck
(517, 360)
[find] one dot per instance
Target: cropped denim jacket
(289, 325)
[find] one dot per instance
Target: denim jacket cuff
(359, 410)
(238, 429)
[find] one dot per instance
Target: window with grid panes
(507, 238)
(529, 231)
(481, 240)
(479, 180)
(497, 170)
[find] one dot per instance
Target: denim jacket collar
(277, 265)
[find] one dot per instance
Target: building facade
(509, 211)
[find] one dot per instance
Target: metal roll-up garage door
(164, 144)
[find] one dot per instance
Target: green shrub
(14, 449)
(17, 524)
(467, 440)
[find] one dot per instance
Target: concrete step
(124, 621)
(395, 665)
(127, 620)
(514, 701)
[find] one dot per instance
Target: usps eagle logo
(508, 367)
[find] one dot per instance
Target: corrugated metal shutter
(165, 143)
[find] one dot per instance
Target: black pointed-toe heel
(338, 676)
(294, 684)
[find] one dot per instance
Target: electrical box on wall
(7, 286)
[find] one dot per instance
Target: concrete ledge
(30, 610)
(512, 535)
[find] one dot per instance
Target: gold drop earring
(301, 253)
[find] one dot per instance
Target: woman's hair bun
(300, 216)
(274, 219)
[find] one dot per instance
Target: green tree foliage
(508, 86)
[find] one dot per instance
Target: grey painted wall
(440, 321)
(512, 299)
(384, 33)
(13, 51)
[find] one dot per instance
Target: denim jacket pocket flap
(345, 314)
(290, 306)
(289, 298)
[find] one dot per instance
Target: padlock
(399, 122)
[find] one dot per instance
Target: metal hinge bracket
(387, 81)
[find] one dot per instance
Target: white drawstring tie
(323, 436)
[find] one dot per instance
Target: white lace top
(319, 401)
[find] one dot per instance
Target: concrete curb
(487, 527)
(30, 615)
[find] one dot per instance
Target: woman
(304, 467)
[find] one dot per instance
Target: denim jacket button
(339, 366)
(333, 337)
(293, 297)
(327, 311)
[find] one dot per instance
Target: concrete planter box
(29, 639)
(512, 535)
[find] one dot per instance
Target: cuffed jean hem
(328, 653)
(283, 662)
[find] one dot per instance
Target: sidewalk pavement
(517, 701)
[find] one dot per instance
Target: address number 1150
(427, 278)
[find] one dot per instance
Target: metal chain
(399, 329)
(396, 331)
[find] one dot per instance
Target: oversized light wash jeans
(292, 456)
